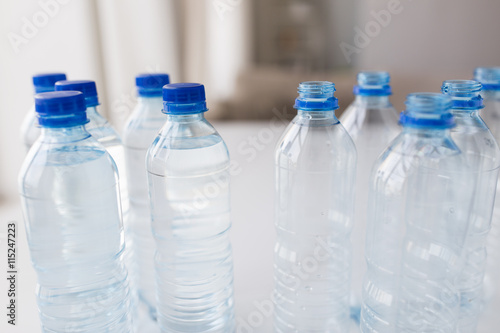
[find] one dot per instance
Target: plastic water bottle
(29, 128)
(188, 174)
(69, 194)
(103, 132)
(490, 79)
(418, 215)
(483, 157)
(372, 122)
(315, 164)
(140, 131)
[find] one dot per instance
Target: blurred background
(250, 54)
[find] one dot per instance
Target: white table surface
(251, 145)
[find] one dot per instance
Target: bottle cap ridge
(61, 108)
(184, 98)
(87, 87)
(150, 85)
(45, 82)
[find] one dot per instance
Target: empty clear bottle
(372, 122)
(140, 131)
(30, 131)
(315, 163)
(418, 215)
(188, 174)
(69, 194)
(483, 157)
(490, 80)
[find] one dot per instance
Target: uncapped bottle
(418, 217)
(372, 123)
(483, 159)
(489, 77)
(315, 168)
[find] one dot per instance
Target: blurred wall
(420, 42)
(106, 41)
(448, 36)
(59, 37)
(135, 37)
(428, 41)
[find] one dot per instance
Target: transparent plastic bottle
(489, 77)
(103, 132)
(69, 194)
(315, 163)
(141, 129)
(483, 157)
(372, 122)
(188, 174)
(29, 128)
(106, 135)
(418, 215)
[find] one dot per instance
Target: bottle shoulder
(142, 127)
(187, 149)
(326, 146)
(48, 164)
(101, 129)
(410, 154)
(360, 119)
(478, 145)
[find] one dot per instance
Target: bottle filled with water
(140, 131)
(418, 217)
(315, 167)
(483, 158)
(188, 174)
(70, 198)
(490, 80)
(102, 131)
(30, 131)
(372, 122)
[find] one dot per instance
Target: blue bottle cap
(489, 77)
(45, 82)
(150, 85)
(373, 84)
(87, 87)
(316, 96)
(427, 110)
(61, 108)
(465, 94)
(184, 98)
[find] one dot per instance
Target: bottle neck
(64, 134)
(461, 113)
(150, 104)
(467, 119)
(491, 95)
(186, 118)
(92, 112)
(316, 115)
(373, 101)
(96, 120)
(427, 132)
(316, 118)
